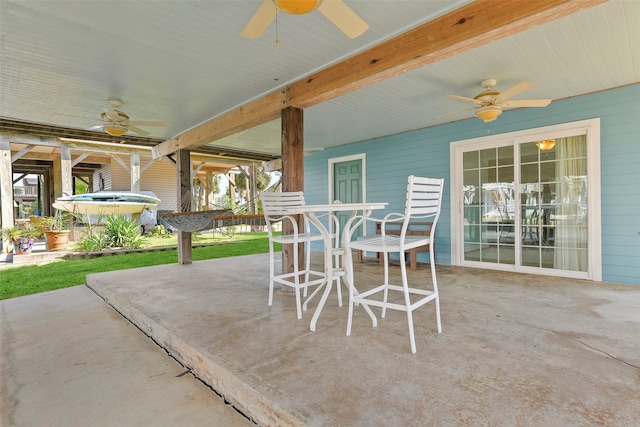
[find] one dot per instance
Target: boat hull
(106, 203)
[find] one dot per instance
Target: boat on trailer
(106, 203)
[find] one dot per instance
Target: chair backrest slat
(424, 198)
(276, 204)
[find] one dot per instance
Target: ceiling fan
(336, 11)
(491, 102)
(117, 123)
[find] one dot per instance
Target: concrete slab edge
(246, 400)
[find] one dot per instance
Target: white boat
(106, 203)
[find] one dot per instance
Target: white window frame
(590, 128)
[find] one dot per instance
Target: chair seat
(389, 243)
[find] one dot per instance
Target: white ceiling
(184, 62)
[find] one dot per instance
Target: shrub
(122, 232)
(159, 231)
(119, 232)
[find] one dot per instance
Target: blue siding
(425, 152)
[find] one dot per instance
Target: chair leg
(307, 266)
(412, 337)
(432, 266)
(271, 272)
(386, 282)
(336, 264)
(296, 280)
(407, 302)
(349, 278)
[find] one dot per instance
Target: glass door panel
(553, 210)
(489, 208)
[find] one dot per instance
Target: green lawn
(31, 279)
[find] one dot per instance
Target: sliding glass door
(553, 213)
(525, 204)
(489, 205)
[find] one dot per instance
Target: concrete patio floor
(515, 349)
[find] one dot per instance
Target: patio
(515, 349)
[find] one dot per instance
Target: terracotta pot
(57, 241)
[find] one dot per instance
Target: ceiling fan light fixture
(115, 129)
(489, 113)
(297, 7)
(546, 144)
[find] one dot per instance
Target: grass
(31, 279)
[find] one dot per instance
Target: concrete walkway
(69, 359)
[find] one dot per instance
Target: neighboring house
(25, 193)
(607, 236)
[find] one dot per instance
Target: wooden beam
(78, 159)
(458, 31)
(97, 158)
(21, 153)
(247, 116)
(292, 175)
(34, 140)
(463, 29)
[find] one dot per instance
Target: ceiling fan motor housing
(487, 96)
(122, 118)
(296, 7)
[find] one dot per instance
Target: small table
(310, 211)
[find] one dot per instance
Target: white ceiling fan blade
(465, 99)
(96, 127)
(260, 21)
(145, 123)
(343, 17)
(513, 91)
(137, 130)
(526, 103)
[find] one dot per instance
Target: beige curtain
(571, 231)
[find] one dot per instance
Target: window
(529, 201)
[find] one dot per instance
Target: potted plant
(22, 238)
(56, 232)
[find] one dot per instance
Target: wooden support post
(65, 170)
(209, 189)
(183, 162)
(135, 180)
(135, 172)
(232, 190)
(6, 190)
(252, 190)
(292, 174)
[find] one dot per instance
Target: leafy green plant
(118, 232)
(11, 233)
(56, 222)
(159, 231)
(17, 232)
(91, 242)
(122, 232)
